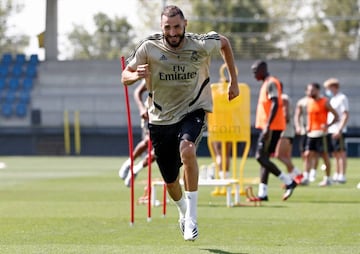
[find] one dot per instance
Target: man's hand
(265, 133)
(144, 115)
(143, 71)
(336, 135)
(130, 76)
(233, 91)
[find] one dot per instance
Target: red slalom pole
(164, 200)
(131, 145)
(149, 179)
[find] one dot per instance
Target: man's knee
(172, 185)
(307, 153)
(187, 151)
(281, 157)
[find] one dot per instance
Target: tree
(10, 43)
(233, 20)
(316, 29)
(274, 29)
(111, 39)
(334, 32)
(230, 18)
(150, 10)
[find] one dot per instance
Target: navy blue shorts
(320, 144)
(267, 146)
(302, 142)
(166, 142)
(337, 145)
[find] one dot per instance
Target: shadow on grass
(222, 251)
(243, 205)
(330, 201)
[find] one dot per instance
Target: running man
(142, 146)
(270, 120)
(175, 65)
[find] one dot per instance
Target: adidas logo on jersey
(163, 58)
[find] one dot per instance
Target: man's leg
(166, 151)
(176, 194)
(263, 185)
(191, 170)
(191, 176)
(140, 148)
(340, 157)
(326, 180)
(190, 134)
(342, 166)
(265, 148)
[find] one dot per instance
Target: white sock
(138, 167)
(210, 171)
(312, 172)
(181, 206)
(341, 177)
(191, 200)
(295, 172)
(127, 162)
(124, 168)
(263, 190)
(285, 178)
(336, 176)
(306, 175)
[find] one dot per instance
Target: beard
(175, 44)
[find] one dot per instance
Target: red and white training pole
(131, 147)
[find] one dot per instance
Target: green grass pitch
(79, 205)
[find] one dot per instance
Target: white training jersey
(179, 80)
(340, 103)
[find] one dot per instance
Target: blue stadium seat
(25, 96)
(14, 84)
(27, 83)
(34, 59)
(7, 110)
(2, 83)
(17, 70)
(10, 97)
(7, 58)
(4, 70)
(21, 110)
(30, 71)
(20, 59)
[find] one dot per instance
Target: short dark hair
(315, 85)
(259, 64)
(172, 11)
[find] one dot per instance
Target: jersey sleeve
(139, 56)
(272, 91)
(345, 104)
(211, 42)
